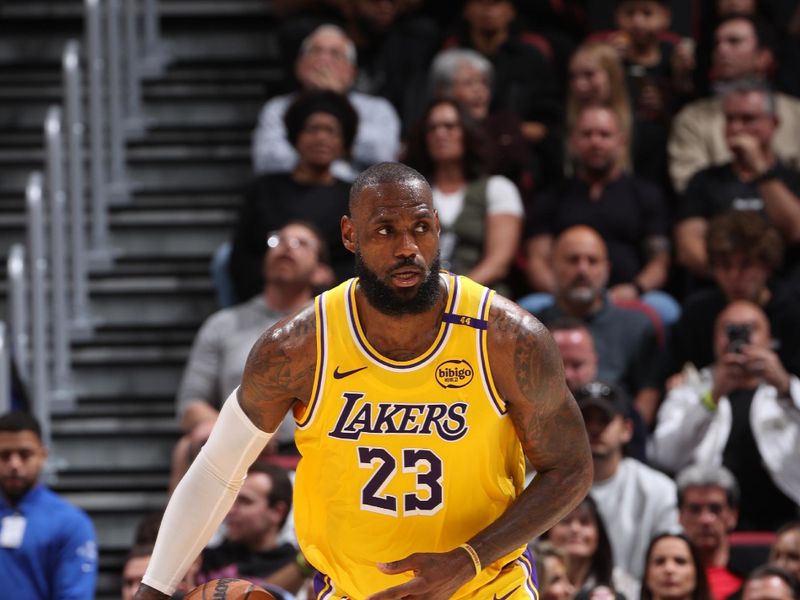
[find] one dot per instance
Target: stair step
(73, 9)
(110, 481)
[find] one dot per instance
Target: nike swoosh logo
(496, 597)
(337, 374)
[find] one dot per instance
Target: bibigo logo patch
(454, 374)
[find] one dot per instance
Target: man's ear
(348, 234)
(627, 435)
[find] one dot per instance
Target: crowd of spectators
(635, 189)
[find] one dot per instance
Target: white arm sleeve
(205, 494)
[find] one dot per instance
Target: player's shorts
(516, 581)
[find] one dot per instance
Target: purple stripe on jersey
(377, 357)
(532, 583)
(501, 406)
(321, 586)
(465, 320)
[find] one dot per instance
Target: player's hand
(147, 593)
(436, 575)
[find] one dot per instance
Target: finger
(397, 566)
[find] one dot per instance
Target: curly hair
(747, 233)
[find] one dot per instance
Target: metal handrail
(100, 255)
(37, 266)
(79, 320)
(5, 371)
(18, 310)
(134, 123)
(118, 187)
(54, 143)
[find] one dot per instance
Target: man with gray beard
(625, 339)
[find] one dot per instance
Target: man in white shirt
(635, 501)
(327, 61)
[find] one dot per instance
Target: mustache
(408, 261)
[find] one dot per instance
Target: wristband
(769, 174)
(305, 569)
(476, 561)
(708, 401)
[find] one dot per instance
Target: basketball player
(417, 395)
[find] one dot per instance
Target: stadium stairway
(111, 454)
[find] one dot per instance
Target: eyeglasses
(275, 239)
(595, 389)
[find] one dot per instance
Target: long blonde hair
(607, 58)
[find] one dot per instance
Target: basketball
(229, 589)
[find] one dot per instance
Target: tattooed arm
(279, 370)
(278, 373)
(528, 373)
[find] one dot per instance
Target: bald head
(580, 267)
(388, 173)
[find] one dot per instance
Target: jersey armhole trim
(483, 353)
(320, 321)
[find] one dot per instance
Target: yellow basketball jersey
(401, 456)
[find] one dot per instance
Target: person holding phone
(743, 412)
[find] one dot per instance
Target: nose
(406, 245)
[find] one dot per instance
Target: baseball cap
(608, 397)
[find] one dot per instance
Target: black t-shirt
(763, 507)
(717, 189)
(234, 560)
(629, 211)
(272, 201)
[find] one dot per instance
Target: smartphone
(738, 335)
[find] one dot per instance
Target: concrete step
(152, 301)
(149, 448)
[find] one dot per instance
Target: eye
(384, 230)
(422, 227)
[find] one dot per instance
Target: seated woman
(481, 215)
(321, 126)
(466, 76)
(673, 570)
(582, 536)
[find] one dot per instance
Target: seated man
(296, 264)
(576, 346)
(628, 212)
(327, 61)
(741, 52)
(626, 340)
(769, 582)
(753, 180)
(252, 548)
(744, 253)
(708, 508)
(742, 412)
(635, 501)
